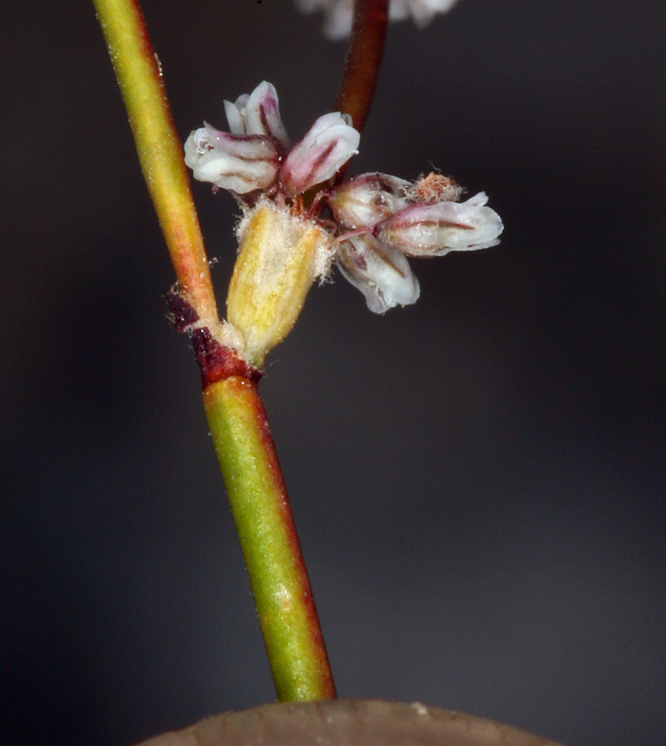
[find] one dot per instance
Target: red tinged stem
(364, 58)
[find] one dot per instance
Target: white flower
(258, 113)
(386, 219)
(340, 13)
(421, 11)
(434, 230)
(379, 271)
(365, 200)
(256, 154)
(378, 220)
(327, 146)
(239, 163)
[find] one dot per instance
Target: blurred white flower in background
(339, 13)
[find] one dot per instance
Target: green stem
(235, 413)
(265, 526)
(159, 148)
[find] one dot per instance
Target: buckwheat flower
(379, 271)
(421, 11)
(365, 200)
(434, 230)
(340, 13)
(239, 163)
(327, 146)
(256, 154)
(384, 219)
(377, 221)
(282, 251)
(258, 114)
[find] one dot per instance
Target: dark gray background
(478, 480)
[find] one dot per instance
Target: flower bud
(434, 230)
(368, 199)
(258, 114)
(326, 147)
(379, 271)
(280, 256)
(238, 163)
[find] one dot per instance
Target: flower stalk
(158, 146)
(233, 407)
(267, 534)
(363, 60)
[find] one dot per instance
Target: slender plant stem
(260, 507)
(159, 148)
(236, 415)
(364, 58)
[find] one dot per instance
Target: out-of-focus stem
(260, 507)
(159, 148)
(364, 58)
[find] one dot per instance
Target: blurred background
(478, 480)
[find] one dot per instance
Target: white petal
(367, 199)
(340, 13)
(398, 10)
(263, 115)
(437, 6)
(380, 272)
(339, 19)
(327, 146)
(423, 11)
(434, 230)
(238, 163)
(235, 118)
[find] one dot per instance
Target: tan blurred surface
(348, 722)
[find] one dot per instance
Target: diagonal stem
(260, 506)
(235, 413)
(159, 148)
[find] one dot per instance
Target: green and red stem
(235, 413)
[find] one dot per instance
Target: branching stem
(235, 413)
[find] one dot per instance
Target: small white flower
(340, 13)
(434, 230)
(378, 220)
(256, 154)
(239, 163)
(379, 271)
(327, 146)
(421, 11)
(385, 219)
(258, 114)
(365, 200)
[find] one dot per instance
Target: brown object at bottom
(348, 722)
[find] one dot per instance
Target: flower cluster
(386, 219)
(256, 153)
(339, 13)
(377, 220)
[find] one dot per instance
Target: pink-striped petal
(434, 230)
(326, 147)
(239, 163)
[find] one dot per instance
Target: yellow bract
(280, 256)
